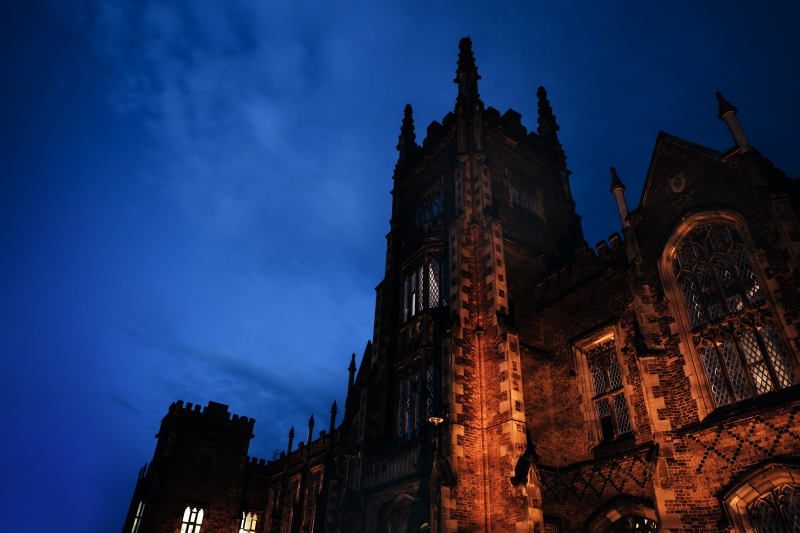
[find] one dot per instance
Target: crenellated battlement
(587, 262)
(213, 413)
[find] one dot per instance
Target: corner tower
(480, 211)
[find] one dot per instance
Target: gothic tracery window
(609, 398)
(732, 329)
(778, 511)
(418, 397)
(526, 199)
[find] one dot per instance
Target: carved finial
(616, 183)
(291, 433)
(352, 367)
(725, 107)
(311, 421)
(334, 408)
(467, 73)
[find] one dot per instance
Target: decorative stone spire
(467, 73)
(352, 369)
(310, 429)
(547, 120)
(618, 190)
(725, 107)
(334, 410)
(616, 183)
(291, 439)
(407, 140)
(727, 113)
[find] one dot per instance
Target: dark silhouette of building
(519, 380)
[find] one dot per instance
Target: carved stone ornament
(677, 183)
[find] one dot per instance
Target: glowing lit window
(137, 520)
(609, 399)
(192, 520)
(734, 334)
(249, 522)
(425, 286)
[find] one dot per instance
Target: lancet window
(609, 398)
(424, 286)
(137, 519)
(192, 520)
(417, 397)
(249, 522)
(731, 325)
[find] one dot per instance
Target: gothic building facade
(519, 380)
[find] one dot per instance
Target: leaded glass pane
(413, 292)
(401, 402)
(789, 499)
(715, 378)
(433, 283)
(445, 283)
(405, 299)
(614, 376)
(692, 301)
(598, 381)
(603, 408)
(420, 300)
(777, 356)
(409, 393)
(733, 297)
(686, 256)
(523, 203)
(621, 410)
(761, 378)
(720, 238)
(765, 517)
(417, 401)
(748, 277)
(514, 196)
(735, 371)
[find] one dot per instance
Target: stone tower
(479, 210)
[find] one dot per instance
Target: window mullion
(724, 370)
(767, 360)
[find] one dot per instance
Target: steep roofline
(664, 136)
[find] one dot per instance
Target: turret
(407, 141)
(310, 430)
(618, 190)
(334, 410)
(466, 74)
(547, 120)
(727, 113)
(352, 369)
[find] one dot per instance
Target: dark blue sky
(194, 195)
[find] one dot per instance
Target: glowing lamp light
(435, 420)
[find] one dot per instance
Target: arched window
(731, 325)
(609, 398)
(249, 522)
(624, 514)
(192, 520)
(766, 499)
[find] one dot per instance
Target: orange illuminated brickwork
(519, 380)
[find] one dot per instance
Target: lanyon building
(519, 380)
